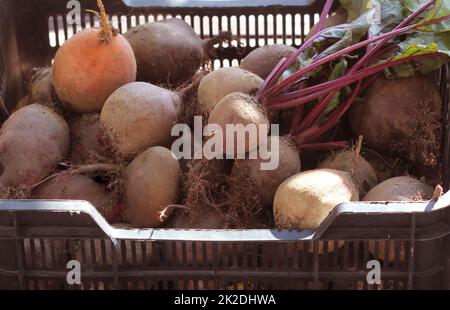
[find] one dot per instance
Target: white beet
(219, 83)
(239, 109)
(138, 116)
(400, 189)
(268, 181)
(304, 200)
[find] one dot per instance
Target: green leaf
(433, 12)
(419, 44)
(303, 60)
(427, 42)
(440, 9)
(347, 34)
(330, 37)
(417, 50)
(344, 42)
(337, 72)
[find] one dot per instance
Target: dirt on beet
(424, 146)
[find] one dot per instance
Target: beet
(33, 141)
(88, 143)
(167, 52)
(401, 117)
(268, 181)
(264, 59)
(76, 187)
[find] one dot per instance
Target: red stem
(299, 138)
(351, 77)
(404, 23)
(315, 111)
(323, 17)
(320, 108)
(271, 76)
(293, 78)
(284, 64)
(338, 113)
(369, 80)
(325, 146)
(371, 54)
(321, 90)
(325, 86)
(299, 111)
(335, 116)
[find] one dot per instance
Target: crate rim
(223, 235)
(216, 3)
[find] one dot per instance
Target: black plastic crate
(37, 238)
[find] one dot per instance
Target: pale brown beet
(401, 116)
(400, 189)
(222, 82)
(397, 189)
(264, 59)
(138, 116)
(361, 170)
(86, 137)
(339, 17)
(33, 141)
(239, 109)
(75, 187)
(167, 51)
(304, 200)
(268, 181)
(151, 183)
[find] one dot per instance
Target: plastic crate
(37, 238)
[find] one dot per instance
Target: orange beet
(90, 66)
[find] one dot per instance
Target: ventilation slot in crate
(247, 30)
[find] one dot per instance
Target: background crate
(37, 238)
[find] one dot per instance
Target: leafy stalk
(285, 63)
(285, 84)
(293, 91)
